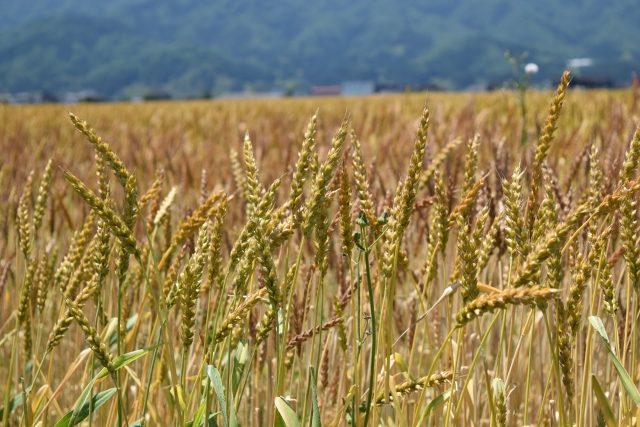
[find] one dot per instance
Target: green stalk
(285, 327)
(229, 369)
(373, 329)
(162, 311)
(387, 318)
(25, 405)
(317, 322)
(504, 323)
(456, 360)
(320, 315)
(633, 345)
(622, 407)
(422, 297)
(121, 408)
(216, 311)
(356, 306)
(544, 397)
(530, 357)
(152, 258)
(281, 349)
(7, 394)
(556, 365)
(183, 368)
(587, 362)
(153, 363)
(116, 376)
(95, 325)
(416, 414)
(473, 365)
(244, 382)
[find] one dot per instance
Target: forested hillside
(187, 46)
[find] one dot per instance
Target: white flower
(531, 68)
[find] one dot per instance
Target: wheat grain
(488, 303)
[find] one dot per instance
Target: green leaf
(98, 400)
(118, 362)
(199, 415)
(15, 402)
(81, 402)
(605, 407)
(287, 413)
(315, 410)
(433, 405)
(597, 324)
(214, 375)
(125, 359)
(216, 381)
(233, 421)
(625, 379)
(402, 365)
(239, 363)
(212, 421)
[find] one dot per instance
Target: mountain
(75, 52)
(123, 47)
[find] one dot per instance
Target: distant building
(28, 97)
(82, 96)
(325, 90)
(358, 88)
(251, 95)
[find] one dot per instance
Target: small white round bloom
(531, 68)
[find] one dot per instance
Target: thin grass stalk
(434, 362)
(472, 366)
(373, 334)
(556, 367)
(529, 363)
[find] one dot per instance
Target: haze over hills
(125, 47)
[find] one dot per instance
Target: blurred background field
(186, 137)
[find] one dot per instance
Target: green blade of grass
(14, 403)
(75, 413)
(212, 421)
(239, 363)
(216, 380)
(315, 410)
(625, 379)
(121, 361)
(199, 415)
(605, 407)
(433, 405)
(287, 413)
(96, 401)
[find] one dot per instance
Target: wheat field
(397, 260)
